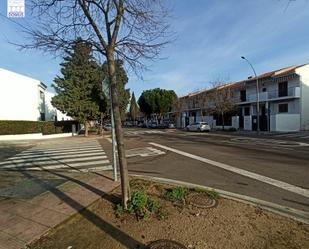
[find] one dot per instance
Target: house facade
(25, 98)
(283, 103)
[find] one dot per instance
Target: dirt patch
(229, 225)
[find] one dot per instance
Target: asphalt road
(273, 160)
(268, 168)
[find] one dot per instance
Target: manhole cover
(165, 244)
(201, 200)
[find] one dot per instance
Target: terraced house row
(283, 102)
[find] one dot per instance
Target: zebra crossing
(75, 155)
(143, 132)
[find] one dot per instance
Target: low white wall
(247, 123)
(235, 122)
(32, 136)
(272, 122)
(287, 122)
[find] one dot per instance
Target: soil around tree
(229, 225)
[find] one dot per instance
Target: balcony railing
(269, 95)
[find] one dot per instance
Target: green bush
(213, 194)
(176, 194)
(14, 127)
(142, 206)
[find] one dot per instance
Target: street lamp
(257, 96)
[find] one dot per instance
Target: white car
(199, 126)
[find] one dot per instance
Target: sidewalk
(23, 221)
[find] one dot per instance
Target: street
(279, 167)
(269, 168)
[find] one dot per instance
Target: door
(241, 118)
(263, 118)
(283, 89)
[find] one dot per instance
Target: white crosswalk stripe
(143, 132)
(72, 156)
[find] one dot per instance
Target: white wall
(51, 111)
(19, 97)
(287, 122)
(304, 104)
(235, 122)
(247, 123)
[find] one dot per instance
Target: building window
(283, 89)
(283, 108)
(264, 89)
(41, 95)
(42, 116)
(247, 111)
(243, 95)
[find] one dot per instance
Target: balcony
(292, 92)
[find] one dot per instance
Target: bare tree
(221, 99)
(129, 30)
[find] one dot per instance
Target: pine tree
(79, 93)
(134, 110)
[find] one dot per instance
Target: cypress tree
(79, 93)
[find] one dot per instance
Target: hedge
(12, 127)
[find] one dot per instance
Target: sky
(211, 36)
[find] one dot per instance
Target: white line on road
(58, 150)
(49, 162)
(64, 166)
(52, 156)
(22, 163)
(261, 178)
(42, 153)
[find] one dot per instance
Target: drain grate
(165, 244)
(201, 200)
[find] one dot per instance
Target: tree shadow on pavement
(123, 238)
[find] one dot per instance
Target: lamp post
(257, 96)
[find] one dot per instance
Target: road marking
(144, 152)
(42, 153)
(72, 165)
(53, 156)
(49, 161)
(52, 162)
(70, 156)
(58, 150)
(261, 178)
(64, 147)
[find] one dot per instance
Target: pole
(257, 97)
(114, 143)
(257, 105)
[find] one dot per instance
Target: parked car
(128, 124)
(107, 127)
(199, 126)
(152, 125)
(142, 125)
(171, 126)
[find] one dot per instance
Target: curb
(295, 214)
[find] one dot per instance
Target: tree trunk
(86, 129)
(125, 188)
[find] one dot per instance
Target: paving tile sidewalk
(22, 221)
